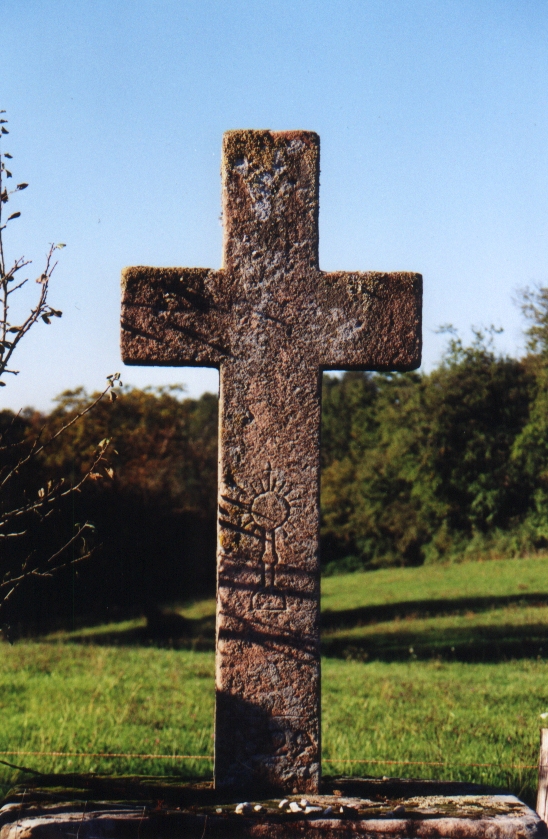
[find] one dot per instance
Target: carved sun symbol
(264, 507)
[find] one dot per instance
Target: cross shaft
(271, 321)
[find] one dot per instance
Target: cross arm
(369, 321)
(174, 317)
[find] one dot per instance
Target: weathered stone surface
(271, 321)
(364, 809)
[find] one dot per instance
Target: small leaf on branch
(2, 384)
(8, 173)
(13, 215)
(14, 329)
(5, 196)
(21, 186)
(110, 472)
(113, 396)
(4, 130)
(8, 155)
(57, 313)
(46, 319)
(95, 476)
(60, 245)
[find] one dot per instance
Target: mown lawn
(439, 664)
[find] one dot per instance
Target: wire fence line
(378, 761)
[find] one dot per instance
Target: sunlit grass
(72, 698)
(451, 713)
(98, 698)
(496, 578)
(506, 617)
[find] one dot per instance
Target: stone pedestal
(91, 807)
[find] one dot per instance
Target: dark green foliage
(346, 413)
(166, 448)
(415, 468)
(154, 517)
(531, 446)
(430, 467)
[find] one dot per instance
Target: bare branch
(24, 512)
(50, 497)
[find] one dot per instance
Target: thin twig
(34, 452)
(21, 768)
(23, 454)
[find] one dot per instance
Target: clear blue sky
(433, 117)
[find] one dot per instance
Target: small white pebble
(219, 810)
(283, 803)
(304, 802)
(399, 810)
(241, 808)
(341, 810)
(328, 811)
(258, 808)
(294, 807)
(312, 809)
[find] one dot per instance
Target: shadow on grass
(466, 644)
(168, 629)
(163, 628)
(381, 613)
(485, 644)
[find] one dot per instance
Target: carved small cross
(270, 321)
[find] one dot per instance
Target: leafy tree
(530, 451)
(430, 466)
(155, 514)
(165, 448)
(346, 412)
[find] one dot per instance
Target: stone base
(97, 807)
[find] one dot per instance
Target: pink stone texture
(271, 321)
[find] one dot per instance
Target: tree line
(108, 505)
(452, 464)
(416, 468)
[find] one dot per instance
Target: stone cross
(270, 320)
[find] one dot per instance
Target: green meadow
(440, 669)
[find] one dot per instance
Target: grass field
(442, 664)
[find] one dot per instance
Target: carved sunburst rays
(262, 507)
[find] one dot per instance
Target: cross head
(271, 321)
